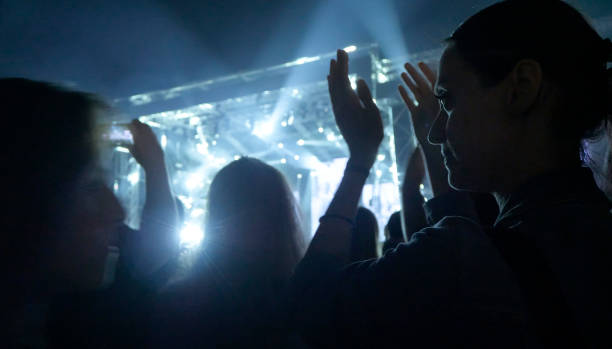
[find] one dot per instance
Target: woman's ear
(525, 84)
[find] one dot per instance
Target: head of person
(61, 217)
(393, 229)
(365, 233)
(253, 217)
(521, 83)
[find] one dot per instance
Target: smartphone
(118, 134)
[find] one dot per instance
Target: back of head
(394, 227)
(365, 233)
(49, 141)
(252, 215)
(570, 52)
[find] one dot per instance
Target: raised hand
(146, 149)
(425, 112)
(356, 114)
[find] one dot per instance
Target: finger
(407, 100)
(332, 67)
(343, 59)
(364, 95)
(421, 83)
(429, 74)
(415, 90)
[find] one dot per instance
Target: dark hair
(48, 141)
(394, 226)
(250, 203)
(363, 244)
(572, 56)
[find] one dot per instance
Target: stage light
(284, 124)
(350, 49)
(381, 157)
(283, 161)
(163, 141)
(133, 177)
(305, 60)
(295, 92)
(421, 186)
(206, 106)
(382, 78)
(378, 173)
(263, 129)
(290, 121)
(299, 176)
(122, 150)
(300, 142)
(202, 148)
(196, 212)
(194, 180)
(116, 186)
(281, 145)
(236, 157)
(331, 137)
(194, 120)
(191, 234)
(296, 157)
(320, 130)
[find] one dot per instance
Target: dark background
(118, 48)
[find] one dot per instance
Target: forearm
(159, 222)
(333, 237)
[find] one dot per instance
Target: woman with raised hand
(517, 97)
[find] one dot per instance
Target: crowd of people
(514, 249)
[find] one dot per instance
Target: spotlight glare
(296, 157)
(283, 161)
(299, 176)
(281, 145)
(191, 235)
(331, 137)
(300, 142)
(236, 157)
(382, 78)
(263, 129)
(320, 130)
(381, 157)
(378, 173)
(290, 121)
(133, 177)
(350, 49)
(164, 141)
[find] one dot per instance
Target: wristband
(336, 216)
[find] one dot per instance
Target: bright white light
(300, 142)
(284, 124)
(349, 49)
(194, 120)
(122, 150)
(116, 186)
(416, 103)
(281, 145)
(214, 142)
(304, 60)
(194, 180)
(295, 92)
(331, 137)
(382, 78)
(299, 176)
(191, 234)
(290, 121)
(263, 129)
(197, 212)
(320, 130)
(283, 161)
(353, 80)
(206, 106)
(421, 186)
(236, 157)
(202, 148)
(380, 157)
(163, 141)
(296, 157)
(378, 173)
(133, 177)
